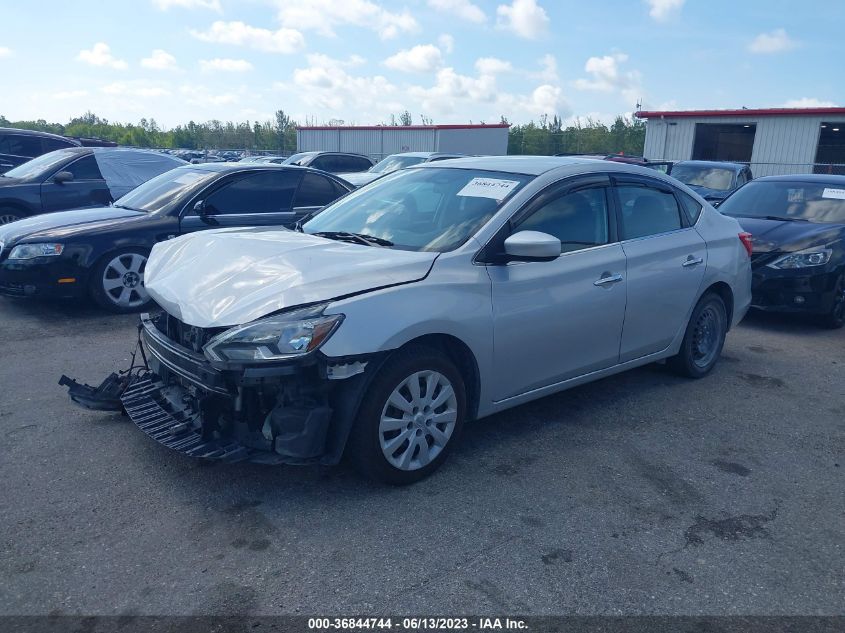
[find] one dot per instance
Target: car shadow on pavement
(784, 323)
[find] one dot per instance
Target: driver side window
(579, 219)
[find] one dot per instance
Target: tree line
(546, 136)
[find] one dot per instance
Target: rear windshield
(813, 202)
(716, 178)
(392, 163)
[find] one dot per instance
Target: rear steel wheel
(703, 339)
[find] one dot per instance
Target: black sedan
(712, 180)
(798, 228)
(102, 252)
(77, 177)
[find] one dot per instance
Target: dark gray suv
(19, 146)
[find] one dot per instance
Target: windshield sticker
(488, 188)
(190, 178)
(795, 195)
(836, 194)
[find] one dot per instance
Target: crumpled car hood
(227, 277)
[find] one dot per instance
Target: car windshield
(392, 163)
(41, 166)
(430, 209)
(716, 178)
(813, 202)
(297, 159)
(170, 187)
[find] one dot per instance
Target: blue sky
(453, 61)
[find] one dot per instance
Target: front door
(559, 319)
(86, 189)
(666, 262)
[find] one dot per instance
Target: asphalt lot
(641, 494)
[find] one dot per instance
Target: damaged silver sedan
(437, 295)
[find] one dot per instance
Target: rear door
(87, 189)
(315, 191)
(559, 319)
(259, 198)
(666, 259)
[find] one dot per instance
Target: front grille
(188, 336)
(761, 259)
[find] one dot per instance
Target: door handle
(607, 278)
(692, 261)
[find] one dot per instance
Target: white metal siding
(381, 142)
(782, 144)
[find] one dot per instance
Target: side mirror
(199, 207)
(532, 246)
(62, 177)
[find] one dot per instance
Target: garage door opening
(830, 156)
(718, 141)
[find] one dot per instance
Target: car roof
(227, 167)
(14, 130)
(533, 165)
(723, 164)
(830, 179)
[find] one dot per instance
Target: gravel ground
(643, 493)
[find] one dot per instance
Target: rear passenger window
(52, 144)
(691, 207)
(20, 145)
(356, 163)
(84, 169)
(315, 191)
(647, 211)
(578, 219)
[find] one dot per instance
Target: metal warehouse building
(380, 141)
(773, 141)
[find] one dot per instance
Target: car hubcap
(705, 336)
(418, 419)
(5, 218)
(123, 280)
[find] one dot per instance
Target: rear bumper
(289, 413)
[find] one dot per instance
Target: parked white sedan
(437, 295)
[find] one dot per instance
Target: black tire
(8, 215)
(108, 298)
(364, 448)
(835, 319)
(708, 323)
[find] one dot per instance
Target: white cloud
(492, 66)
(809, 102)
(212, 5)
(69, 94)
(5, 52)
(775, 41)
(446, 42)
(663, 10)
(463, 9)
(325, 83)
(283, 40)
(159, 60)
(100, 55)
(548, 69)
(607, 77)
(225, 65)
(134, 89)
(423, 58)
(323, 15)
(526, 18)
(200, 96)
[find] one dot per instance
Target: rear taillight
(745, 238)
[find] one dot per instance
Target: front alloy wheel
(7, 217)
(118, 283)
(835, 319)
(410, 417)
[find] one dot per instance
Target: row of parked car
(797, 221)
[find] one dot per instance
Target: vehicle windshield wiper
(783, 219)
(123, 206)
(359, 238)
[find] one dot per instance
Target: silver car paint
(457, 297)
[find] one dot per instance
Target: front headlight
(31, 251)
(278, 337)
(816, 256)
